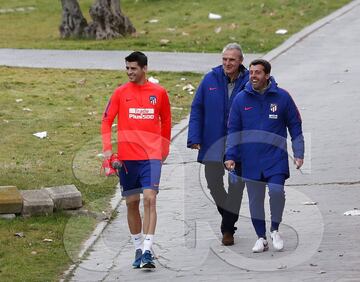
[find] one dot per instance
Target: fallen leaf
(41, 134)
(352, 213)
(188, 87)
(338, 81)
(281, 31)
(233, 26)
(214, 16)
(177, 108)
(309, 203)
(153, 80)
(218, 29)
(164, 41)
(81, 81)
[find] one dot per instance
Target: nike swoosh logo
(128, 99)
(212, 88)
(247, 108)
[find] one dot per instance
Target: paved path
(321, 71)
(110, 60)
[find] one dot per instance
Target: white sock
(137, 240)
(148, 241)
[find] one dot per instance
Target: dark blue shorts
(138, 175)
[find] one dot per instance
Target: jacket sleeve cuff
(192, 142)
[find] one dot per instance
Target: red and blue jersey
(144, 121)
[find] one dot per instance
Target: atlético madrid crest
(153, 100)
(273, 108)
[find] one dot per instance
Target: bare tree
(108, 20)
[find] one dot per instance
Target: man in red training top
(144, 127)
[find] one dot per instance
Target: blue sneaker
(147, 260)
(137, 261)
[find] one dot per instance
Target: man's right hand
(230, 164)
(106, 164)
(195, 146)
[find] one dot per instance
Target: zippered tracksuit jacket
(257, 131)
(209, 113)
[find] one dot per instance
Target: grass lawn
(68, 105)
(185, 23)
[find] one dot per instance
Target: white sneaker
(277, 242)
(261, 245)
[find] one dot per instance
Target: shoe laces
(148, 256)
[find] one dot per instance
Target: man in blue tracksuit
(257, 132)
(207, 133)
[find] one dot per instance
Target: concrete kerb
(179, 128)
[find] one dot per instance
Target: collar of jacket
(219, 70)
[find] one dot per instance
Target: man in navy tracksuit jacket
(257, 132)
(207, 133)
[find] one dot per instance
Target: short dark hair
(264, 63)
(138, 57)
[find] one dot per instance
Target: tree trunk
(73, 22)
(108, 21)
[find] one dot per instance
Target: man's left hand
(298, 162)
(230, 164)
